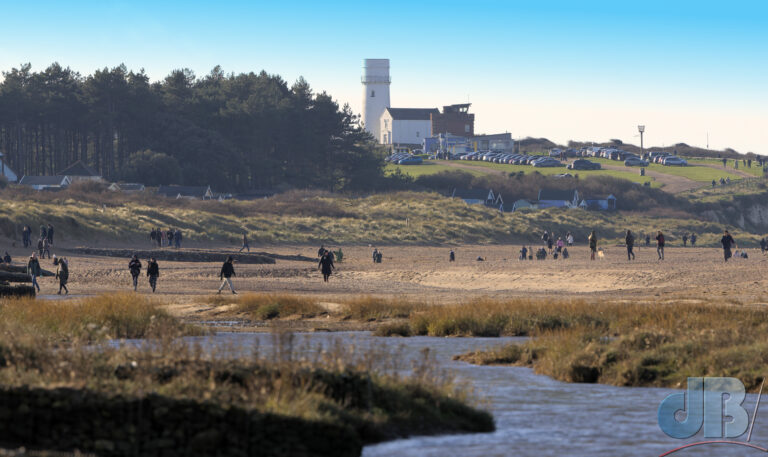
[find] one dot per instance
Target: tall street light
(641, 129)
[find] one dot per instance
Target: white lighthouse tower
(375, 94)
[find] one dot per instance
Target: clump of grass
(374, 308)
(393, 329)
(272, 306)
(121, 315)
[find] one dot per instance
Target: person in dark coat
(693, 240)
(7, 257)
(321, 251)
(43, 232)
(326, 265)
(46, 248)
(50, 234)
(34, 270)
(62, 274)
(153, 237)
(592, 245)
(630, 240)
(153, 272)
(227, 271)
(26, 236)
(40, 247)
(660, 245)
(245, 243)
(135, 267)
(728, 243)
(451, 256)
(177, 238)
(169, 235)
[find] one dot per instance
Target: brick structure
(455, 119)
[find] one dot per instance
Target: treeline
(234, 132)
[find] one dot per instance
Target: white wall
(394, 131)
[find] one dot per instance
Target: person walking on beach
(630, 240)
(153, 272)
(153, 237)
(26, 236)
(693, 240)
(326, 265)
(34, 270)
(560, 244)
(177, 238)
(321, 251)
(50, 234)
(46, 248)
(40, 247)
(647, 240)
(592, 245)
(43, 232)
(728, 243)
(375, 254)
(763, 245)
(62, 274)
(245, 243)
(227, 271)
(569, 239)
(685, 240)
(660, 245)
(452, 256)
(170, 238)
(135, 267)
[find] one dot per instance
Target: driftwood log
(21, 290)
(4, 267)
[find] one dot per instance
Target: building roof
(185, 191)
(78, 169)
(556, 194)
(128, 186)
(472, 194)
(412, 114)
(493, 136)
(43, 180)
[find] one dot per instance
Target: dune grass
(315, 218)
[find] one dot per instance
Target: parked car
(673, 161)
(635, 162)
(412, 160)
(547, 162)
(583, 164)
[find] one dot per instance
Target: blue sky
(558, 69)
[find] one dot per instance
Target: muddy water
(535, 415)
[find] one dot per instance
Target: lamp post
(641, 129)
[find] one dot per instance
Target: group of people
(723, 182)
(34, 270)
(44, 243)
(559, 251)
(169, 238)
(548, 239)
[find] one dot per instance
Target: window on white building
(373, 93)
(466, 128)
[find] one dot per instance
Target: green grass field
(427, 168)
(694, 173)
(755, 170)
(476, 168)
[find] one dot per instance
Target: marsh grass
(272, 306)
(378, 393)
(121, 315)
(648, 344)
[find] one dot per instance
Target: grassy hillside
(397, 218)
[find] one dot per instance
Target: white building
(406, 125)
(375, 93)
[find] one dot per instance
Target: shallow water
(535, 415)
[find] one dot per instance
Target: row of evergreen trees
(234, 132)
